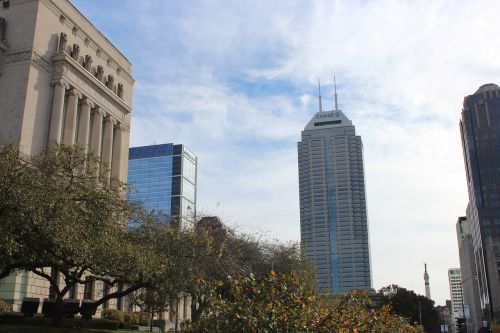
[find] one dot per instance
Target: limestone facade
(61, 82)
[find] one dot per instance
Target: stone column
(71, 117)
(107, 143)
(56, 117)
(117, 161)
(96, 139)
(84, 124)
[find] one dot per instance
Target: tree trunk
(176, 314)
(197, 307)
(58, 313)
(151, 321)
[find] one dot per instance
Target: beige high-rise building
(61, 81)
(457, 306)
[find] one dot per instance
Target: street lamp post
(463, 308)
(420, 313)
(463, 299)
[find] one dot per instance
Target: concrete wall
(15, 65)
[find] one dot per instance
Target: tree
(410, 305)
(288, 303)
(151, 301)
(237, 254)
(59, 213)
(16, 198)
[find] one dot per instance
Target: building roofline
(97, 30)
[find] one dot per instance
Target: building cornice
(31, 55)
(87, 40)
(69, 70)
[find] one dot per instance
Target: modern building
(61, 82)
(480, 131)
(444, 312)
(163, 178)
(333, 217)
(457, 306)
(470, 287)
(426, 282)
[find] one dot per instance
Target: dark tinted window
(177, 149)
(324, 123)
(176, 165)
(176, 185)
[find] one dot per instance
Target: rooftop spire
(319, 96)
(335, 93)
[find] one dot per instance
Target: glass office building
(480, 131)
(333, 220)
(163, 178)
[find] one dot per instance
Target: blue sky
(236, 82)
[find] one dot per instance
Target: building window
(88, 292)
(105, 291)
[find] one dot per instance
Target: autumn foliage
(288, 303)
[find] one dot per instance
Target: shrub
(136, 318)
(143, 318)
(4, 306)
(132, 318)
(103, 324)
(11, 317)
(112, 314)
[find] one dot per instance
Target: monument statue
(87, 63)
(119, 91)
(110, 81)
(76, 52)
(99, 72)
(63, 39)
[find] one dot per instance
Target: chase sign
(329, 114)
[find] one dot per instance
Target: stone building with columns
(61, 82)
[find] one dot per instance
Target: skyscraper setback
(333, 218)
(480, 130)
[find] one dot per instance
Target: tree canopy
(408, 304)
(288, 303)
(59, 211)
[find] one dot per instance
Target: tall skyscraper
(454, 280)
(333, 219)
(163, 178)
(470, 287)
(61, 82)
(480, 131)
(426, 281)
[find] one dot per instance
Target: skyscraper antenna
(319, 96)
(335, 93)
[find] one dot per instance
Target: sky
(236, 81)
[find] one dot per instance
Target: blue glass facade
(150, 176)
(480, 131)
(333, 220)
(163, 178)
